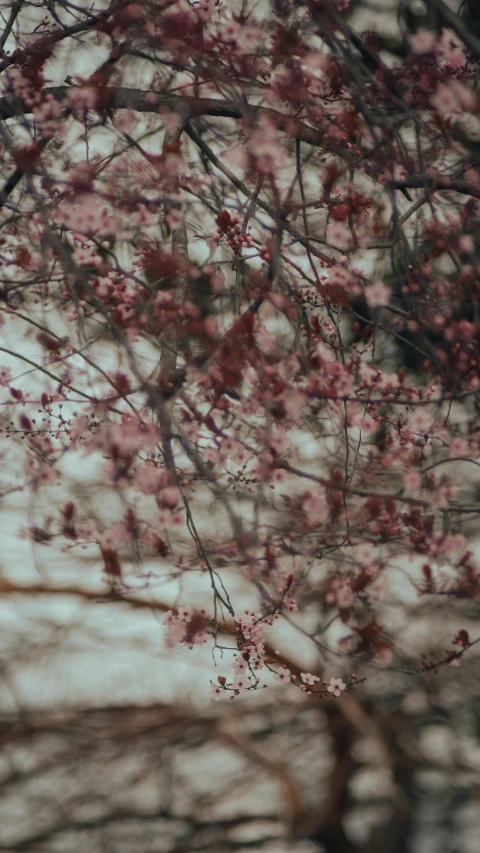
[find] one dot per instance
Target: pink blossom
(278, 441)
(308, 678)
(345, 598)
(164, 517)
(43, 475)
(240, 664)
(279, 476)
(388, 381)
(115, 535)
(453, 547)
(316, 509)
(151, 97)
(399, 172)
(449, 50)
(134, 11)
(377, 294)
(339, 235)
(423, 41)
(88, 530)
(5, 375)
(148, 479)
(294, 402)
(437, 498)
(376, 592)
(420, 421)
(199, 638)
(237, 156)
(336, 686)
(473, 178)
(216, 691)
(365, 553)
(466, 243)
(290, 605)
(331, 596)
(268, 151)
(384, 655)
(412, 480)
(339, 275)
(185, 613)
(208, 9)
(445, 101)
(265, 341)
(177, 632)
(169, 497)
(459, 447)
(240, 682)
(83, 97)
(125, 121)
(283, 675)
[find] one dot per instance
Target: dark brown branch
(8, 28)
(122, 98)
(17, 176)
(442, 183)
(107, 596)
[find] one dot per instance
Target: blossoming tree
(240, 272)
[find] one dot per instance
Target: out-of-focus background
(111, 743)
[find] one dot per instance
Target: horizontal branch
(108, 596)
(121, 98)
(190, 107)
(442, 183)
(366, 493)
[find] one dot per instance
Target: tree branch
(187, 107)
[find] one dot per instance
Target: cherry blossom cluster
(187, 626)
(308, 685)
(229, 227)
(248, 296)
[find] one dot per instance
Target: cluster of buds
(431, 662)
(229, 227)
(461, 639)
